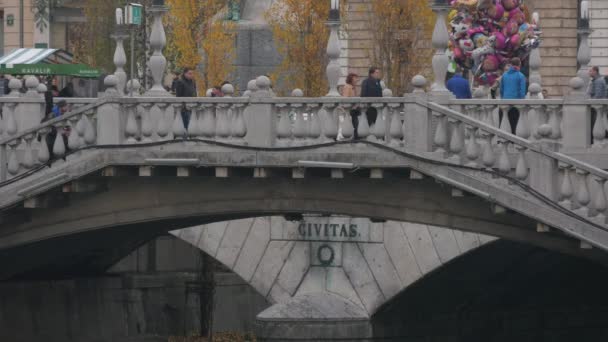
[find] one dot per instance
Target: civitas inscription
(319, 231)
(330, 229)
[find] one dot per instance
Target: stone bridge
(132, 170)
(327, 228)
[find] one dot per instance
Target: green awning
(76, 70)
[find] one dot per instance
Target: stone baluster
(523, 124)
(147, 128)
(583, 198)
(222, 128)
(239, 127)
(28, 153)
(488, 157)
(599, 201)
(534, 117)
(566, 190)
(456, 140)
(162, 127)
(131, 128)
(251, 88)
(74, 137)
(120, 57)
(505, 125)
(441, 133)
(59, 145)
(472, 148)
(346, 125)
(396, 128)
(363, 129)
(554, 122)
(157, 62)
(599, 127)
(178, 126)
(521, 169)
(284, 125)
(90, 135)
(194, 127)
(314, 130)
(576, 117)
(330, 122)
(333, 53)
(504, 164)
(43, 149)
(207, 122)
(583, 56)
(10, 124)
(440, 42)
(379, 127)
(13, 162)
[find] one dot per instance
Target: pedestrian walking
(513, 87)
(349, 91)
(459, 86)
(186, 87)
(597, 90)
(371, 87)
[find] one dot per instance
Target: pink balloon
(510, 28)
(496, 12)
(490, 63)
(514, 42)
(501, 40)
(517, 15)
(510, 4)
(458, 54)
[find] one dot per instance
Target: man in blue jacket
(459, 86)
(513, 87)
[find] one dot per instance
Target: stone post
(333, 52)
(440, 41)
(29, 113)
(158, 62)
(535, 61)
(576, 118)
(261, 118)
(120, 57)
(110, 127)
(544, 170)
(417, 123)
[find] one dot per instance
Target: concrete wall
(147, 296)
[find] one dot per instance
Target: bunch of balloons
(485, 34)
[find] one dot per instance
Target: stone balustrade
(456, 132)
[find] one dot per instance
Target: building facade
(18, 27)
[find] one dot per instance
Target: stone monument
(256, 53)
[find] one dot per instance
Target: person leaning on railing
(186, 87)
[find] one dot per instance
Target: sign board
(133, 14)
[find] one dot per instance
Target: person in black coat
(186, 87)
(371, 88)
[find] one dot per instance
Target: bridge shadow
(503, 291)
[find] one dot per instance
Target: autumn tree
(300, 34)
(401, 33)
(199, 37)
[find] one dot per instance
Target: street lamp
(333, 49)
